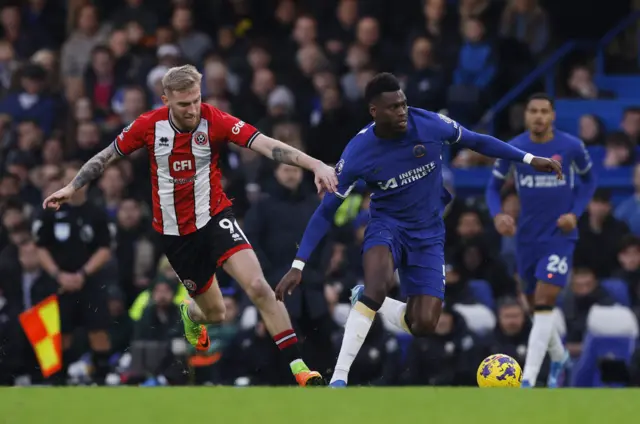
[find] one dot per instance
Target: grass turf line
(309, 406)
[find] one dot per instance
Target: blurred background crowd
(74, 73)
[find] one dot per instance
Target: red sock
(287, 342)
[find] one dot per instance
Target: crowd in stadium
(74, 73)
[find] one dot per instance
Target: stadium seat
(611, 334)
(479, 318)
(568, 113)
(618, 290)
(625, 86)
(483, 293)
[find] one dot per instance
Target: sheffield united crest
(200, 138)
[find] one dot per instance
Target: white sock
(556, 348)
(355, 331)
(543, 329)
(393, 311)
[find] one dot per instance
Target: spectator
(25, 41)
(631, 124)
(383, 55)
(476, 263)
(76, 51)
(476, 62)
(152, 351)
(254, 101)
(618, 151)
(342, 30)
(446, 358)
(600, 233)
(581, 85)
(628, 211)
(32, 102)
(8, 66)
(121, 328)
(134, 10)
(134, 250)
(101, 81)
(426, 83)
(216, 366)
(333, 122)
(527, 22)
(487, 11)
(193, 44)
(511, 335)
(24, 285)
(457, 286)
(441, 26)
(356, 60)
(629, 271)
(288, 206)
(585, 292)
(591, 130)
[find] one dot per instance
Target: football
(499, 371)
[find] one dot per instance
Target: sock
(541, 332)
(556, 348)
(287, 342)
(393, 311)
(355, 331)
(101, 366)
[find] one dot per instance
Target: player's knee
(425, 324)
(259, 291)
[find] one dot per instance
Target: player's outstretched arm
(325, 176)
(89, 172)
(318, 226)
(491, 146)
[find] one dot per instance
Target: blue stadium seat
(404, 341)
(568, 113)
(625, 86)
(612, 332)
(618, 290)
(483, 293)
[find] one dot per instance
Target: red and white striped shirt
(185, 177)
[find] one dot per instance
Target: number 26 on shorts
(557, 265)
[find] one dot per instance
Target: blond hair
(181, 78)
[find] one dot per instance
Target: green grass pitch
(309, 406)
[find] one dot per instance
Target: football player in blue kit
(546, 231)
(399, 157)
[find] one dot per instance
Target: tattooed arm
(280, 152)
(94, 167)
(89, 171)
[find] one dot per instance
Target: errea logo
(237, 127)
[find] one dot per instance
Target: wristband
(528, 158)
(298, 264)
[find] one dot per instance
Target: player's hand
(567, 222)
(58, 198)
(325, 178)
(547, 165)
(289, 282)
(505, 224)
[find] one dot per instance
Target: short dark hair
(381, 83)
(542, 96)
(628, 242)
